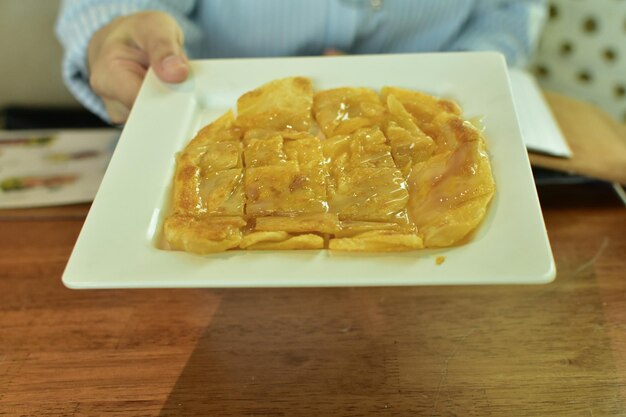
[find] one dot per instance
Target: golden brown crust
(193, 234)
(377, 241)
(283, 104)
(341, 111)
(393, 174)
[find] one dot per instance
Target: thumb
(173, 68)
(163, 43)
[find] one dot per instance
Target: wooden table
(549, 350)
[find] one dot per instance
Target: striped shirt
(262, 28)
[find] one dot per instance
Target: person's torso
(237, 28)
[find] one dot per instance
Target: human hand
(120, 53)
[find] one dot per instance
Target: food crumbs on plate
(440, 259)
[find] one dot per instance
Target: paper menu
(540, 131)
(47, 168)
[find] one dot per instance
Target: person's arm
(80, 20)
(508, 26)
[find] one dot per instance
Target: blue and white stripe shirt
(262, 28)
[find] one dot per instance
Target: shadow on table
(265, 353)
(403, 351)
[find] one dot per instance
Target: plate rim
(77, 269)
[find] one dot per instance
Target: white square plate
(117, 246)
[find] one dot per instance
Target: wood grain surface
(550, 350)
(598, 142)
